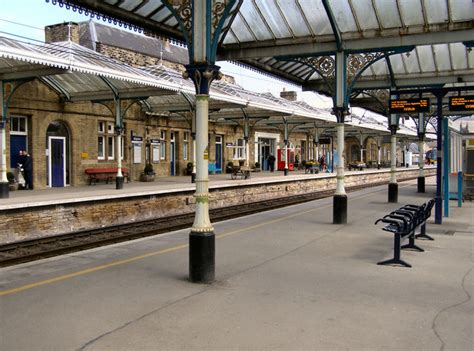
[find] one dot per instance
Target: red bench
(96, 174)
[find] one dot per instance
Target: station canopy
(411, 43)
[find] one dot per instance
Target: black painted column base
(4, 191)
(202, 257)
(285, 171)
(393, 192)
(421, 184)
(119, 183)
(339, 209)
(438, 210)
(193, 177)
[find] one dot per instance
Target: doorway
(218, 154)
(57, 161)
(266, 148)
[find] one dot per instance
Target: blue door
(218, 155)
(17, 143)
(57, 162)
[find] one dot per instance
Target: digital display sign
(409, 106)
(461, 103)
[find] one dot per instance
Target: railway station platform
(286, 279)
(48, 212)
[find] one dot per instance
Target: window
(18, 125)
(239, 151)
(163, 144)
(106, 141)
(185, 146)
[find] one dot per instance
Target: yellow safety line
(150, 254)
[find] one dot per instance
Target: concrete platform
(287, 279)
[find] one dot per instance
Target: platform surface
(286, 279)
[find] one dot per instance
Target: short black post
(4, 190)
(393, 192)
(339, 214)
(285, 172)
(421, 184)
(119, 182)
(202, 257)
(193, 177)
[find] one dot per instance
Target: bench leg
(411, 244)
(422, 234)
(396, 260)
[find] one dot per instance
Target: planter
(147, 177)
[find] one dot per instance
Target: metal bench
(110, 173)
(403, 223)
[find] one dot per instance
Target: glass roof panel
(294, 17)
(443, 61)
(458, 55)
(318, 20)
(240, 30)
(365, 14)
(426, 58)
(255, 22)
(437, 11)
(411, 12)
(129, 4)
(397, 64)
(230, 38)
(344, 18)
(380, 68)
(388, 13)
(161, 16)
(462, 10)
(148, 8)
(411, 62)
(273, 18)
(111, 2)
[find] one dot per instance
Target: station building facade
(64, 139)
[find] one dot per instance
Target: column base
(119, 182)
(421, 184)
(285, 171)
(438, 210)
(393, 192)
(193, 177)
(4, 191)
(339, 210)
(202, 257)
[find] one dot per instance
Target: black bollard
(4, 191)
(119, 183)
(393, 192)
(193, 177)
(421, 184)
(339, 213)
(202, 257)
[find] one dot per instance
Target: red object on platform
(281, 163)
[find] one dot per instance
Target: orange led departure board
(461, 103)
(409, 106)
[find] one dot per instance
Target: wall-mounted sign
(84, 155)
(409, 106)
(137, 139)
(324, 141)
(155, 141)
(229, 145)
(461, 103)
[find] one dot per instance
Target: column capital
(202, 76)
(340, 112)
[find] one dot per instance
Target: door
(17, 143)
(218, 154)
(172, 155)
(57, 162)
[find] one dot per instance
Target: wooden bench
(242, 172)
(110, 173)
(357, 166)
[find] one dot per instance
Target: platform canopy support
(4, 190)
(286, 141)
(379, 151)
(202, 25)
(393, 126)
(421, 126)
(439, 157)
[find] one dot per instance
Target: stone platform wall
(40, 221)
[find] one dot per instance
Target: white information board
(137, 153)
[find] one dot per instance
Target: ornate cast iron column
(286, 132)
(421, 144)
(4, 190)
(393, 185)
(118, 142)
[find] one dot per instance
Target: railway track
(34, 249)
